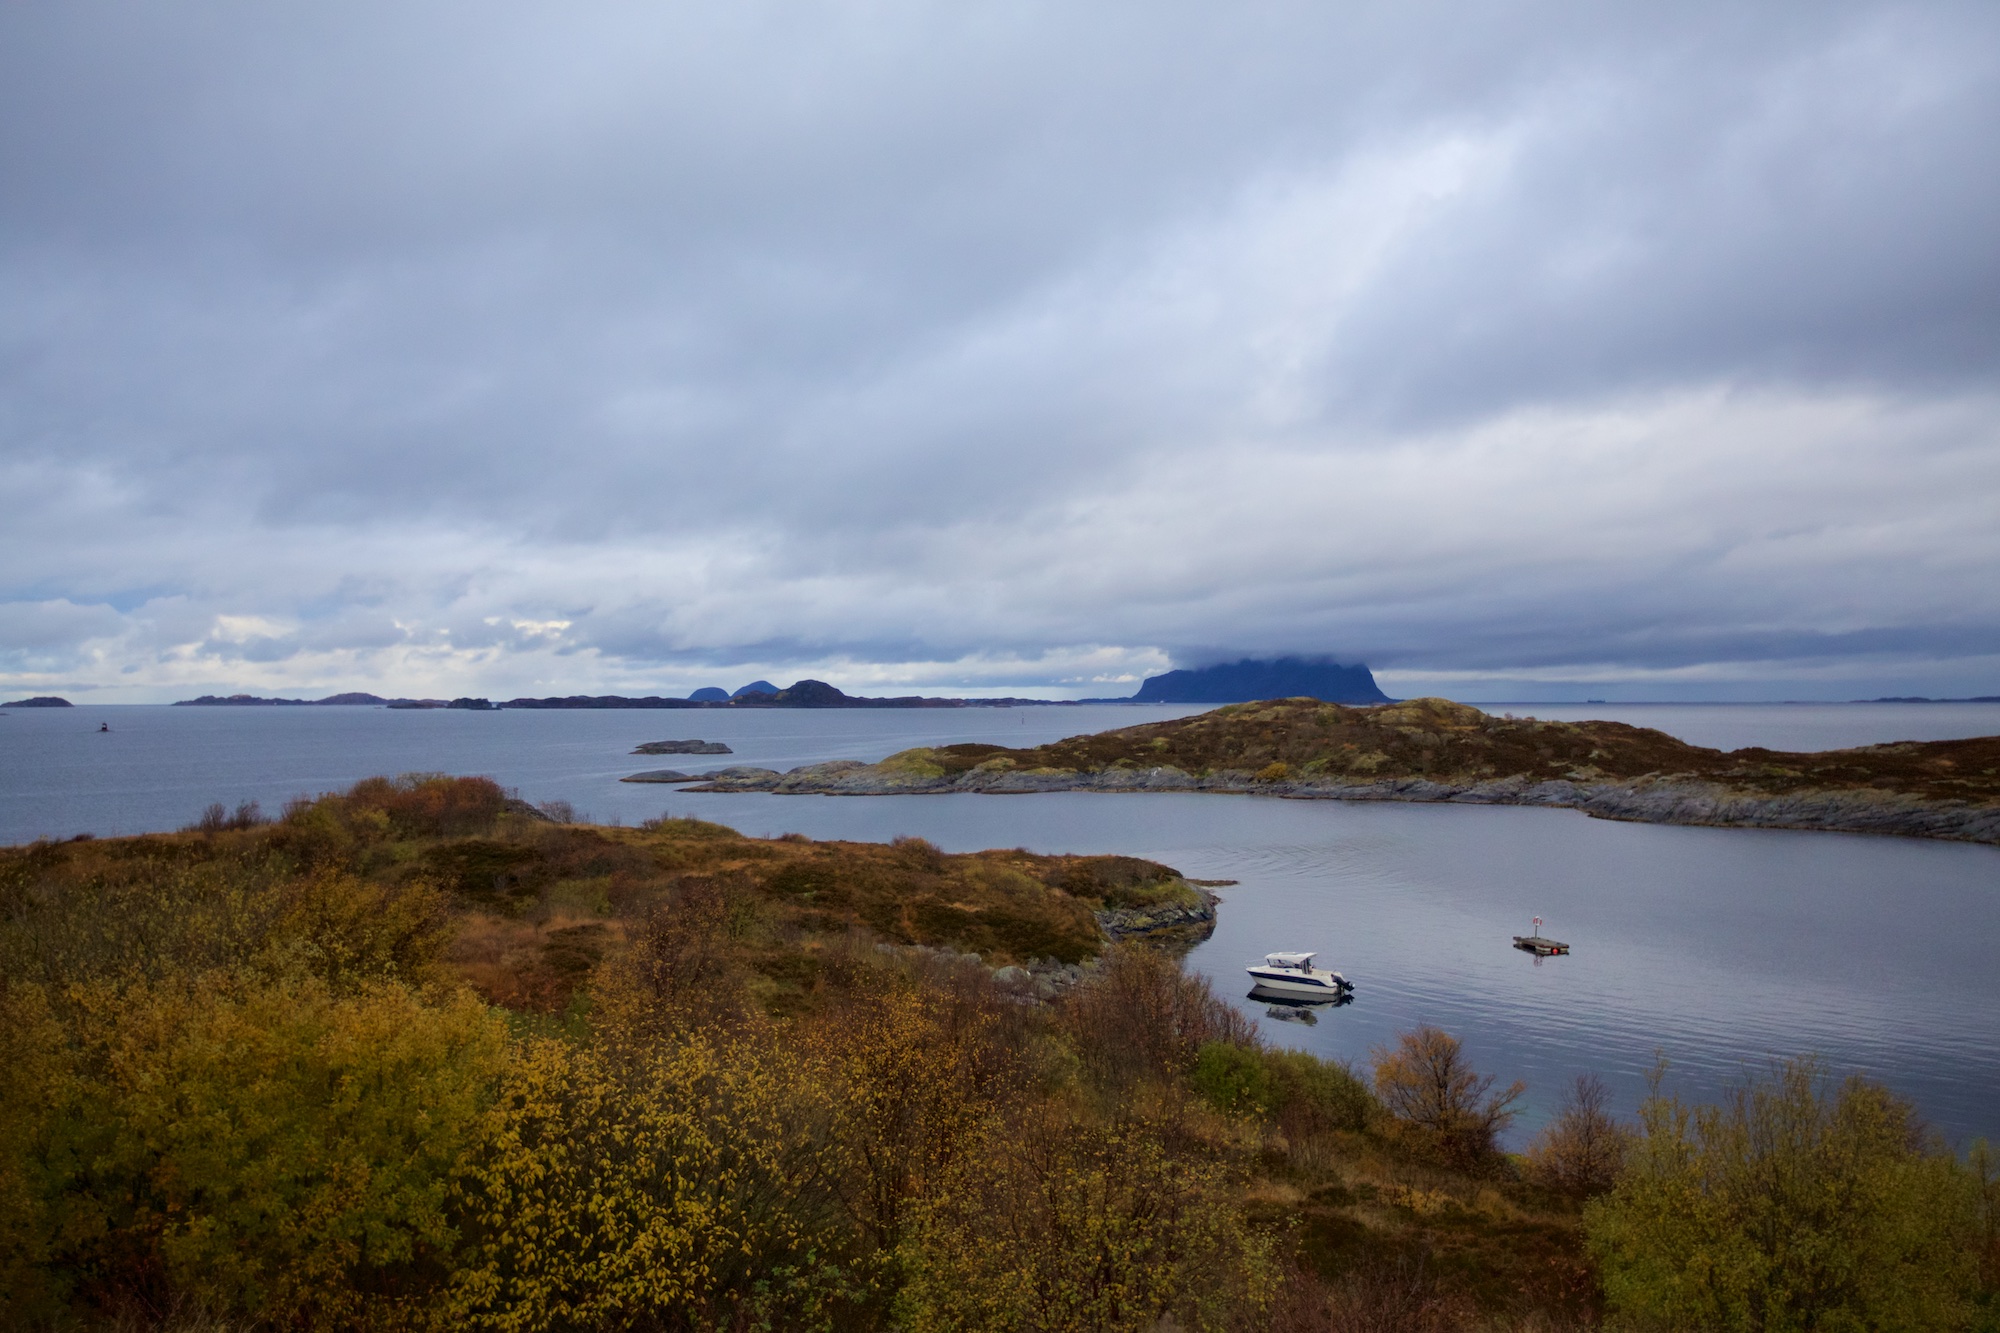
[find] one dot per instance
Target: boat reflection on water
(1291, 1009)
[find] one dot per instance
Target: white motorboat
(1293, 974)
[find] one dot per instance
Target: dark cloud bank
(1517, 350)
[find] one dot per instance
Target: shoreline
(1692, 803)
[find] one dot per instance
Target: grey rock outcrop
(741, 778)
(683, 747)
(1194, 920)
(1652, 799)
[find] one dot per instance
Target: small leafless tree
(1142, 1016)
(1426, 1084)
(1582, 1150)
(217, 818)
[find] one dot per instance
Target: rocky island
(1437, 750)
(1255, 678)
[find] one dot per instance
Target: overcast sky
(1517, 350)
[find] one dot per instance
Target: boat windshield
(1302, 961)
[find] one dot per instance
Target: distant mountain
(710, 694)
(604, 701)
(40, 701)
(253, 701)
(1282, 678)
(761, 694)
(1925, 699)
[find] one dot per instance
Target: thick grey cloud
(494, 347)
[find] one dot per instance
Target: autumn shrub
(430, 805)
(500, 877)
(917, 1077)
(274, 1151)
(686, 827)
(1792, 1205)
(174, 914)
(1983, 1164)
(1119, 881)
(1064, 1224)
(1232, 1078)
(921, 853)
(34, 1089)
(1581, 1151)
(682, 969)
(218, 818)
(1311, 1095)
(1299, 1092)
(1439, 1104)
(348, 931)
(1386, 1293)
(327, 832)
(673, 1187)
(1142, 1017)
(85, 916)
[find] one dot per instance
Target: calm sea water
(1717, 949)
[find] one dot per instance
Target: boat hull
(1322, 987)
(1291, 1007)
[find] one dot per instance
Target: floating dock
(1540, 945)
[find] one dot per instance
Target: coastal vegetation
(420, 1056)
(1437, 750)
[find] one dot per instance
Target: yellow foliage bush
(35, 1083)
(350, 931)
(916, 1081)
(1794, 1205)
(676, 1187)
(274, 1150)
(1068, 1225)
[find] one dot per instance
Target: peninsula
(1437, 750)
